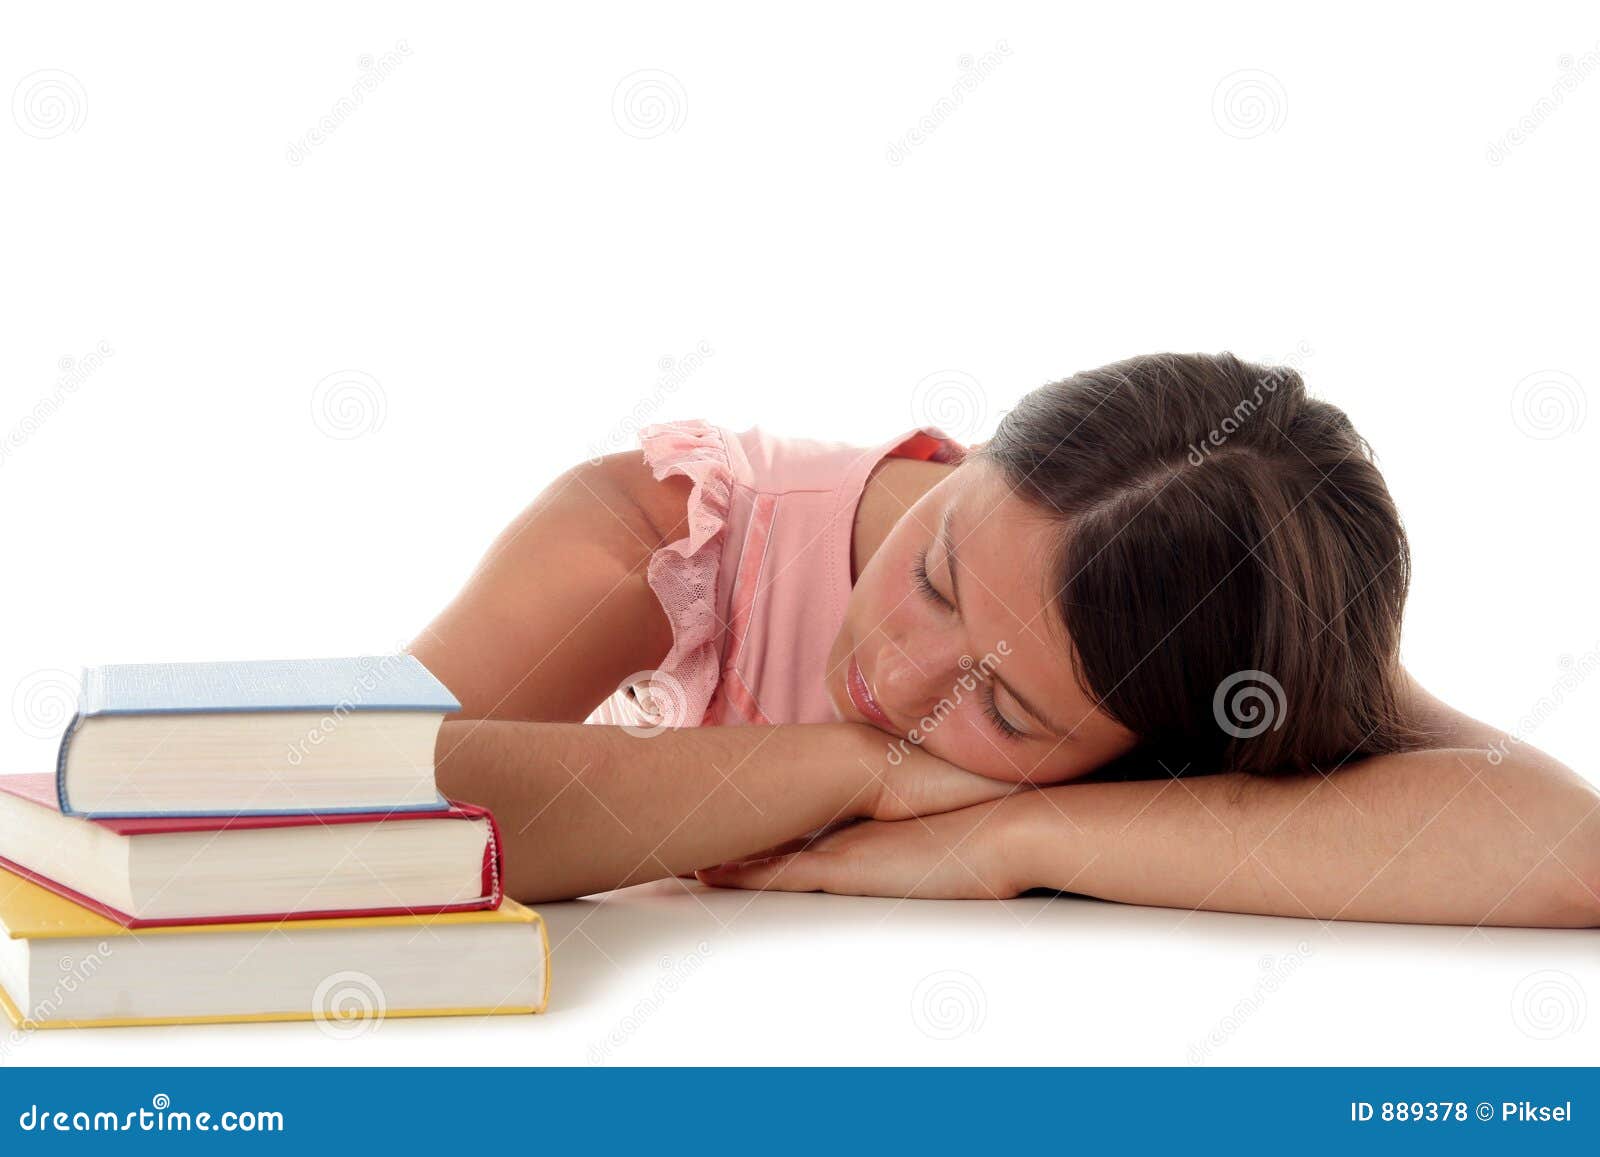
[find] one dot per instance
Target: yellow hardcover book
(63, 966)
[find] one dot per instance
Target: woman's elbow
(1557, 823)
(1585, 878)
(1572, 894)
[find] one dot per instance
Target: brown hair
(1232, 570)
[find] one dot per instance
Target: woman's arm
(558, 611)
(584, 808)
(556, 615)
(1449, 835)
(1431, 837)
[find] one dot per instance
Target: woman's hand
(919, 784)
(959, 855)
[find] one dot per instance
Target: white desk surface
(672, 973)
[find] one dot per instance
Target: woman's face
(951, 640)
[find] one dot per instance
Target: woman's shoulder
(658, 486)
(1439, 725)
(656, 508)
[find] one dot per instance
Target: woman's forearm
(1440, 836)
(584, 808)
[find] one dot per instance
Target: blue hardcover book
(259, 737)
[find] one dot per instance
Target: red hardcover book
(161, 870)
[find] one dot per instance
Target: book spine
(493, 866)
(61, 764)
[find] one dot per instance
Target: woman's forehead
(1003, 550)
(1005, 544)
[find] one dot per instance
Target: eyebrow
(947, 536)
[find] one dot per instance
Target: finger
(799, 872)
(967, 788)
(788, 847)
(935, 787)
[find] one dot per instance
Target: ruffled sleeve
(684, 576)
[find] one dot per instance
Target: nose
(911, 675)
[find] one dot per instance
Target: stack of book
(255, 841)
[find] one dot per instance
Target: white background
(496, 251)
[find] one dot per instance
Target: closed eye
(1003, 725)
(919, 578)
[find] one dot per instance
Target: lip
(855, 686)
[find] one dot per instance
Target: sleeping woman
(1143, 645)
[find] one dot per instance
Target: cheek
(882, 595)
(967, 748)
(965, 737)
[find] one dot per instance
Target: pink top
(756, 591)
